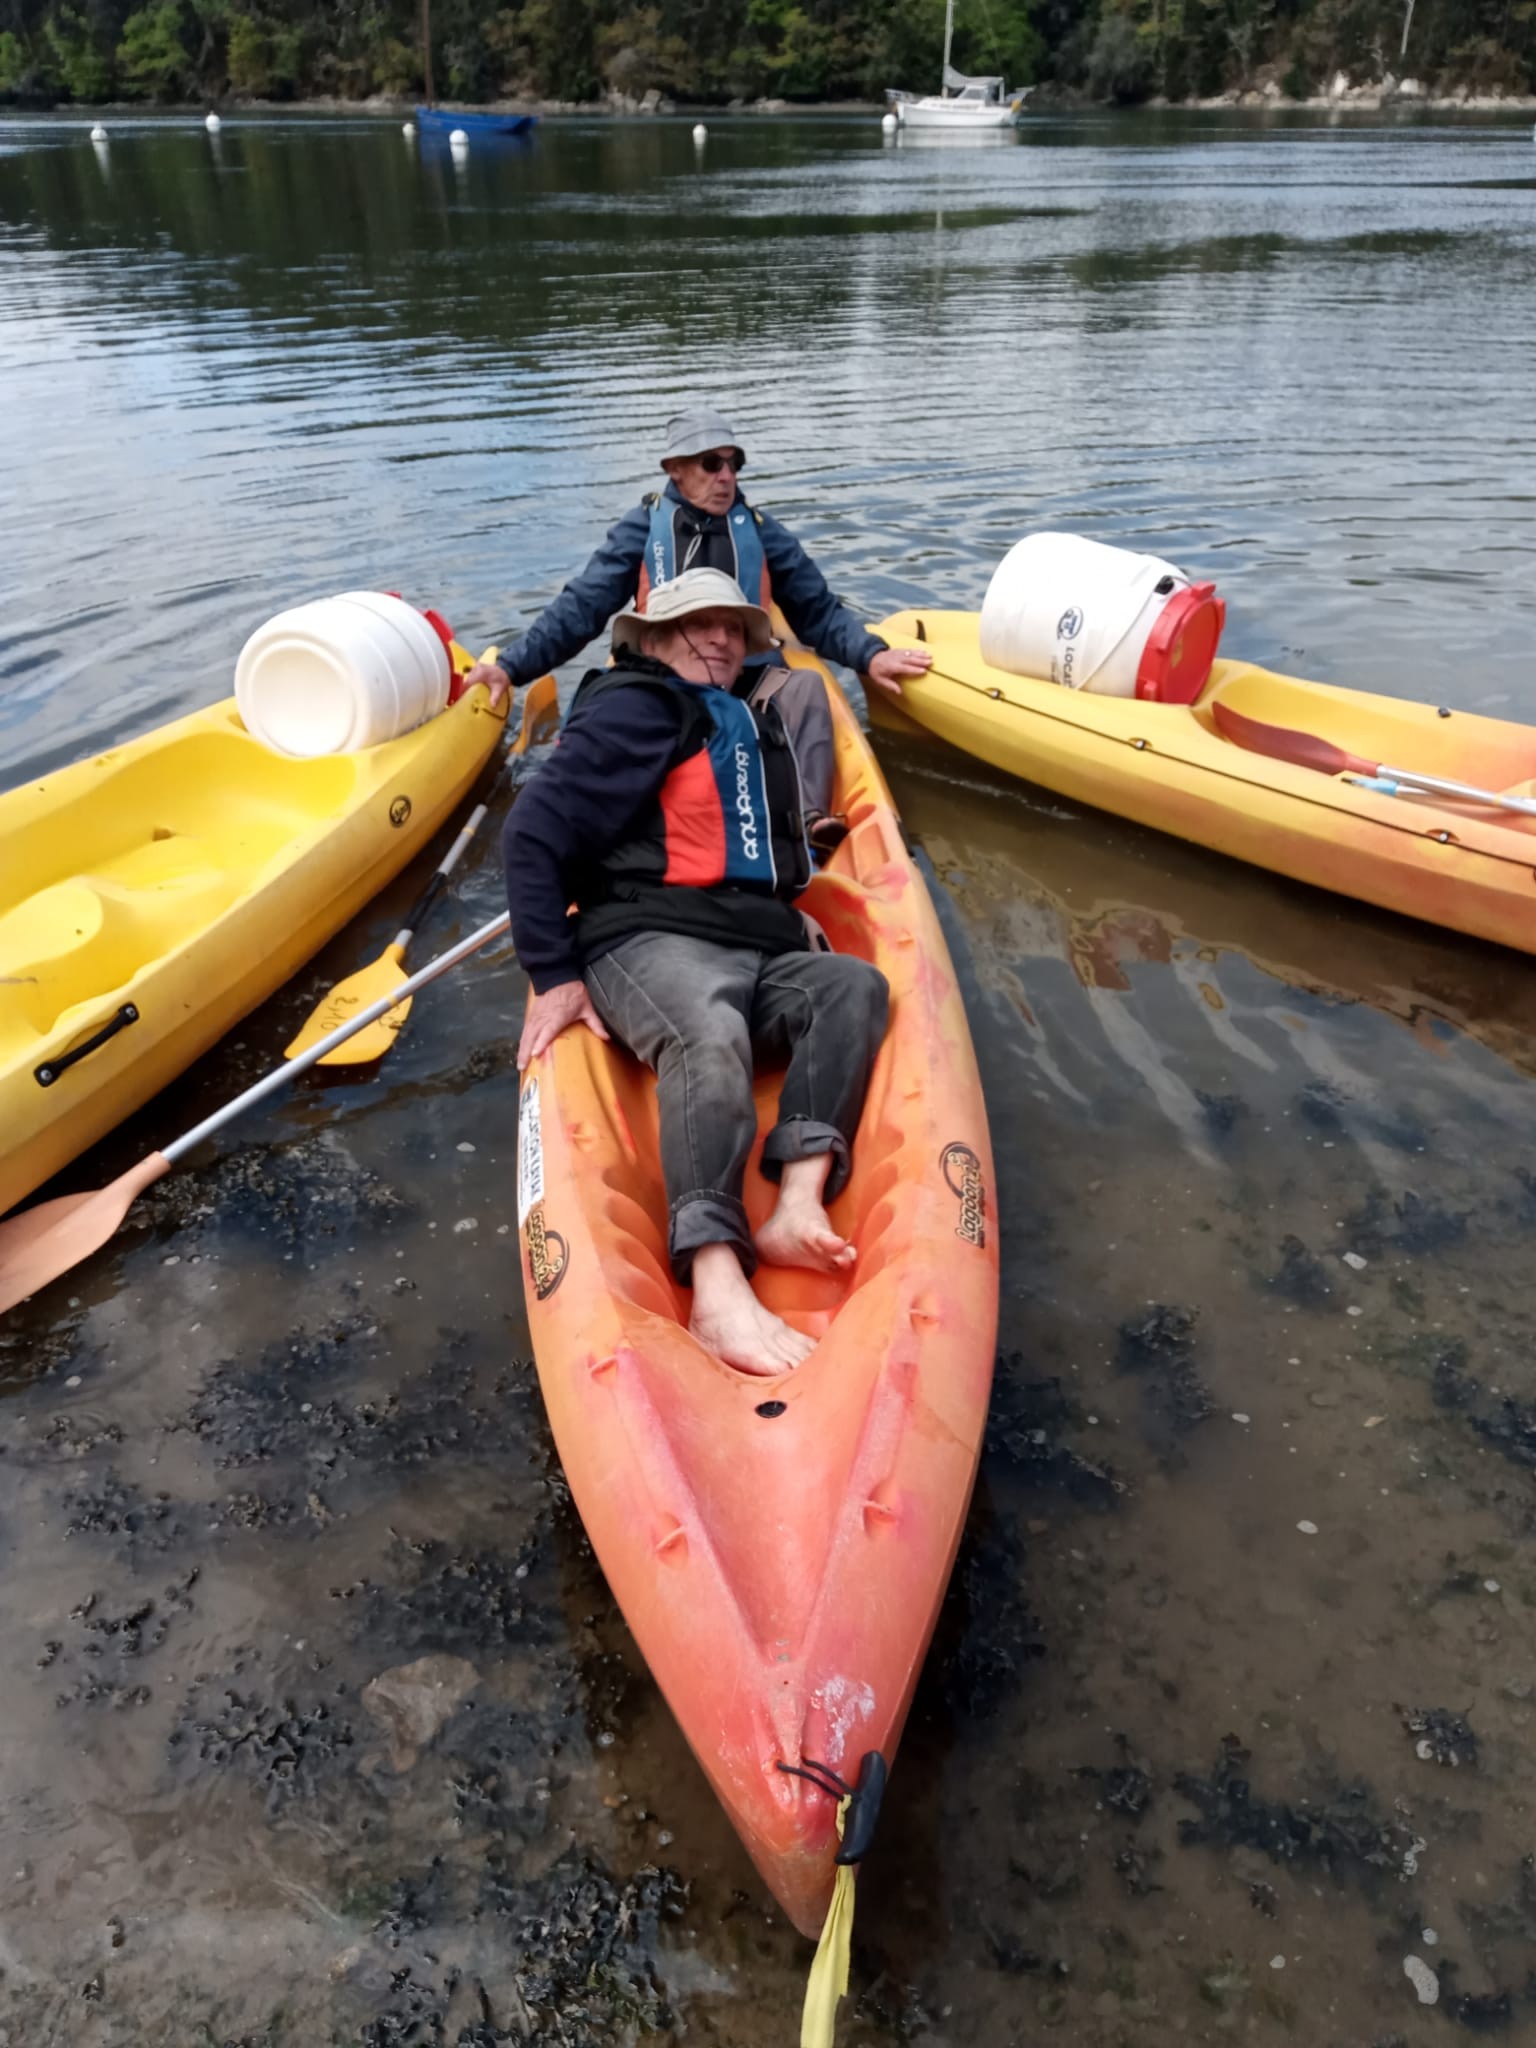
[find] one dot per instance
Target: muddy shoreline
(320, 1724)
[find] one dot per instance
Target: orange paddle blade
(41, 1243)
(1282, 743)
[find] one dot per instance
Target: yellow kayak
(153, 895)
(1245, 770)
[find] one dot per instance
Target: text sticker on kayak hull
(530, 1155)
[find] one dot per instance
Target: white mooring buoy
(213, 124)
(98, 133)
(700, 134)
(408, 128)
(458, 139)
(887, 124)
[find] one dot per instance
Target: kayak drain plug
(771, 1408)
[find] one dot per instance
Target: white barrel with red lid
(1069, 610)
(343, 673)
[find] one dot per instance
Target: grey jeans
(696, 1013)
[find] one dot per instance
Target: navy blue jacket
(614, 754)
(609, 582)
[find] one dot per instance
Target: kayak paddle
(41, 1243)
(385, 975)
(1308, 750)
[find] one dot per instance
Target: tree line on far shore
(716, 51)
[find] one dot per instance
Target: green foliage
(80, 57)
(714, 50)
(1120, 61)
(250, 55)
(1296, 85)
(151, 56)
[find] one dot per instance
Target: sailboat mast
(426, 51)
(949, 31)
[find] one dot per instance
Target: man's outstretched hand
(494, 677)
(889, 666)
(556, 1010)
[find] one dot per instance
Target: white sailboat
(966, 106)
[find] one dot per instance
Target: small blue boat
(435, 121)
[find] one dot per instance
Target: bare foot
(801, 1234)
(732, 1324)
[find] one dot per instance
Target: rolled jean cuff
(707, 1217)
(801, 1137)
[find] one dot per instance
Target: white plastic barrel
(1069, 610)
(341, 674)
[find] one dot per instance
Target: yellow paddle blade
(344, 1002)
(540, 718)
(540, 715)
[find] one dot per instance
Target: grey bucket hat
(696, 590)
(698, 428)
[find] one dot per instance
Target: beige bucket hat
(696, 590)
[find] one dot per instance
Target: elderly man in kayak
(700, 521)
(670, 816)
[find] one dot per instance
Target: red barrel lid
(1176, 661)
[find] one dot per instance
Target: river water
(1230, 1711)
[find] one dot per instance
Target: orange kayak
(779, 1547)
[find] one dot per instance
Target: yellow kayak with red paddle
(1409, 806)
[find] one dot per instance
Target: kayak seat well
(81, 941)
(634, 1201)
(142, 863)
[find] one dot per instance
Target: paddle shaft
(451, 858)
(282, 1075)
(1410, 778)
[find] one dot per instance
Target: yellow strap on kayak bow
(829, 1972)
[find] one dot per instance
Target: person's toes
(836, 1250)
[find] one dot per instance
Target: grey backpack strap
(769, 684)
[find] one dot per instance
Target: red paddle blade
(1304, 749)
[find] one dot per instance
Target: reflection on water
(1232, 1698)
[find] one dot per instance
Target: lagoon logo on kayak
(962, 1173)
(400, 810)
(548, 1256)
(1070, 624)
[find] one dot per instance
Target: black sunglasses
(713, 463)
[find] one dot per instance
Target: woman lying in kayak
(671, 816)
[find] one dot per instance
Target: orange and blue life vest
(722, 839)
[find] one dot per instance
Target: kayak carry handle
(50, 1070)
